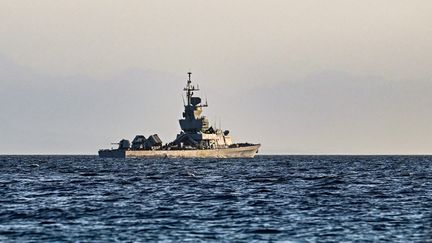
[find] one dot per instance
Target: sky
(299, 77)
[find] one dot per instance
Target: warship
(197, 139)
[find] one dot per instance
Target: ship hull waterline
(239, 152)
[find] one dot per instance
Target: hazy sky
(301, 77)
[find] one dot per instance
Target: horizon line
(264, 154)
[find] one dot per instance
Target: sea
(265, 199)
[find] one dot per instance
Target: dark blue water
(269, 198)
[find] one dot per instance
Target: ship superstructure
(196, 131)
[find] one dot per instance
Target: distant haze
(299, 77)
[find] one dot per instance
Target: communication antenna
(205, 95)
(183, 100)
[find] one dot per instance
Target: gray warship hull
(238, 152)
(197, 138)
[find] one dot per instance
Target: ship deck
(247, 151)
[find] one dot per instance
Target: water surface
(269, 198)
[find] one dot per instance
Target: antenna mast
(189, 89)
